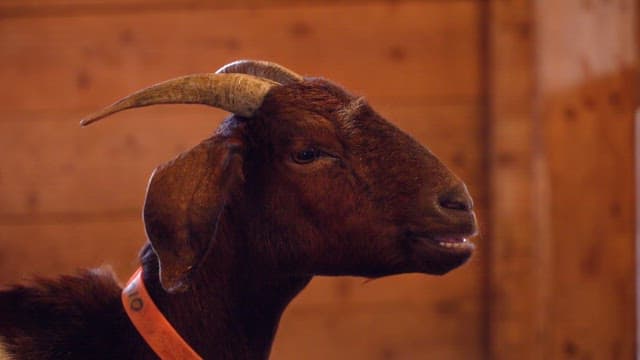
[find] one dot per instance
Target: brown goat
(304, 179)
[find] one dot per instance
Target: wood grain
(380, 332)
(404, 50)
(518, 257)
(589, 83)
(38, 8)
(54, 249)
(590, 131)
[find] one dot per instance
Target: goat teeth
(453, 244)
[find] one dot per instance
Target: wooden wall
(528, 103)
(562, 89)
(71, 197)
(587, 124)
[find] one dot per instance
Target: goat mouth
(450, 243)
(453, 242)
(438, 254)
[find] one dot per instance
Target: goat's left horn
(240, 94)
(263, 69)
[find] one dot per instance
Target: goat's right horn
(263, 69)
(240, 94)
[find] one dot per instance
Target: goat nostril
(458, 199)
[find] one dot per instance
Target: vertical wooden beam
(518, 256)
(588, 87)
(562, 89)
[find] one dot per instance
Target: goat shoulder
(72, 317)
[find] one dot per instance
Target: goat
(302, 179)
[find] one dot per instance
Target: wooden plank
(178, 3)
(590, 136)
(562, 240)
(378, 332)
(403, 50)
(39, 8)
(518, 259)
(32, 6)
(441, 292)
(589, 72)
(584, 40)
(52, 166)
(55, 166)
(53, 249)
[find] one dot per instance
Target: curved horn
(237, 93)
(263, 69)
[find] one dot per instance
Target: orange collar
(154, 328)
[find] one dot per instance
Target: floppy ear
(185, 198)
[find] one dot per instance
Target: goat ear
(185, 198)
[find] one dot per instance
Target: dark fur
(235, 241)
(73, 317)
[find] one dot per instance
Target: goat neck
(234, 306)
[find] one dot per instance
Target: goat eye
(305, 156)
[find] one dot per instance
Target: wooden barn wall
(71, 197)
(562, 89)
(588, 83)
(530, 102)
(514, 262)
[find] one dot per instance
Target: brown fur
(234, 241)
(73, 317)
